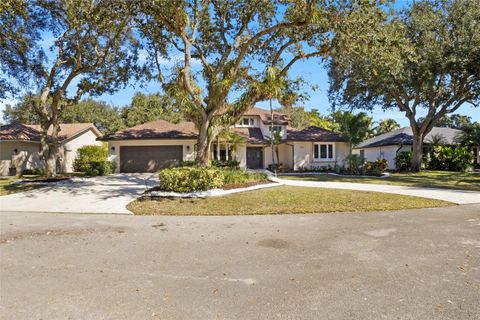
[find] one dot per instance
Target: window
(362, 154)
(276, 128)
(323, 151)
(247, 122)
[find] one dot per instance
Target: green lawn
(282, 200)
(6, 186)
(436, 179)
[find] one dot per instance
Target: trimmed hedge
(93, 161)
(190, 179)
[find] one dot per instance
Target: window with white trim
(276, 129)
(247, 122)
(323, 151)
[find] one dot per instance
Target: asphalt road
(416, 264)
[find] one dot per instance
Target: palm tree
(233, 139)
(272, 87)
(386, 125)
(354, 128)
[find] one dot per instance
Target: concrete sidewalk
(450, 195)
(108, 194)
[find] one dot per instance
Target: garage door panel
(149, 158)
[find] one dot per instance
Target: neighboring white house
(20, 146)
(388, 145)
(159, 144)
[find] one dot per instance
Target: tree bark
(417, 152)
(202, 159)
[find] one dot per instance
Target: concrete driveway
(416, 264)
(109, 194)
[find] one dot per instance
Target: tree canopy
(93, 51)
(224, 48)
(149, 107)
(386, 125)
(425, 57)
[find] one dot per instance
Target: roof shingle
(404, 136)
(158, 129)
(313, 133)
(31, 132)
(265, 116)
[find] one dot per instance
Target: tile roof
(251, 135)
(312, 133)
(265, 116)
(405, 136)
(158, 129)
(31, 132)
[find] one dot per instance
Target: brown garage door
(149, 158)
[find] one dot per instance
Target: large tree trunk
(417, 152)
(50, 149)
(202, 158)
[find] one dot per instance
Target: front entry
(255, 157)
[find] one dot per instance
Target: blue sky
(311, 70)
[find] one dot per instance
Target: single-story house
(20, 146)
(159, 144)
(388, 145)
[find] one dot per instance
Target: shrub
(188, 163)
(242, 176)
(403, 160)
(93, 161)
(189, 179)
(452, 158)
(234, 164)
(376, 167)
(355, 163)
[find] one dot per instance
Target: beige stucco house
(159, 144)
(20, 146)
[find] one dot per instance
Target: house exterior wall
(265, 128)
(70, 147)
(242, 155)
(27, 156)
(304, 155)
(114, 147)
(388, 153)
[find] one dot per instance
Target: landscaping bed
(282, 200)
(196, 182)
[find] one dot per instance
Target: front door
(255, 157)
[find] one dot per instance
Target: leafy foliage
(403, 160)
(93, 50)
(242, 176)
(105, 117)
(353, 127)
(150, 107)
(93, 160)
(236, 46)
(234, 164)
(386, 125)
(452, 159)
(189, 179)
(425, 57)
